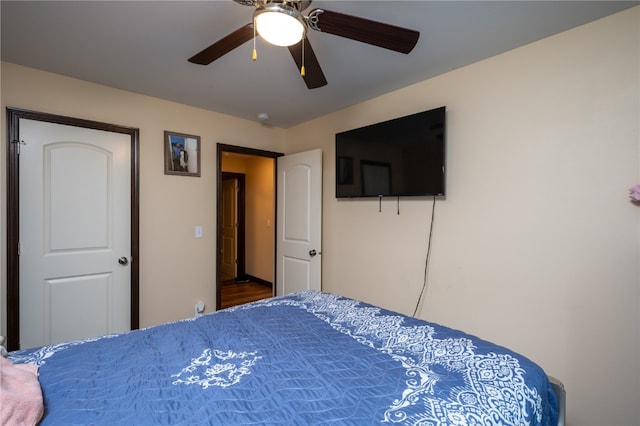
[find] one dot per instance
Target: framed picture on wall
(181, 154)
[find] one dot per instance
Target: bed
(304, 358)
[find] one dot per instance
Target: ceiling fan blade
(223, 46)
(314, 77)
(378, 34)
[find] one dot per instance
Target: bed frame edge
(561, 396)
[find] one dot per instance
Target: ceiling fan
(281, 22)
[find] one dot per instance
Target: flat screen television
(401, 157)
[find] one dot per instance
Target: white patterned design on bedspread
(39, 356)
(494, 390)
(227, 373)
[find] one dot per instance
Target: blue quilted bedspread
(306, 358)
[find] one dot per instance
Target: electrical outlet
(198, 309)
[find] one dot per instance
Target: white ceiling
(143, 47)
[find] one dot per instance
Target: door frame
(240, 243)
(220, 150)
(13, 210)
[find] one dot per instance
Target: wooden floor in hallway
(237, 293)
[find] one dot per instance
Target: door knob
(123, 261)
(312, 253)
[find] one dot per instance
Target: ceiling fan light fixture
(279, 24)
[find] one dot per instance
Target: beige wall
(260, 196)
(167, 292)
(535, 247)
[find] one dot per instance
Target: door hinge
(19, 248)
(18, 143)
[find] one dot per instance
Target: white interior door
(229, 261)
(299, 218)
(75, 233)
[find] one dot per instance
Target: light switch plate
(198, 231)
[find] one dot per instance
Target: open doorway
(246, 208)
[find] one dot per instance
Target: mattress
(304, 358)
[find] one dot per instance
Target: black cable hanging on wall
(426, 262)
(380, 204)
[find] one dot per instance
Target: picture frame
(181, 154)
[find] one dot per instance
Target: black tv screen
(400, 157)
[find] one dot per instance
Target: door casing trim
(13, 211)
(220, 150)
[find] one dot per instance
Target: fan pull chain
(302, 70)
(254, 54)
